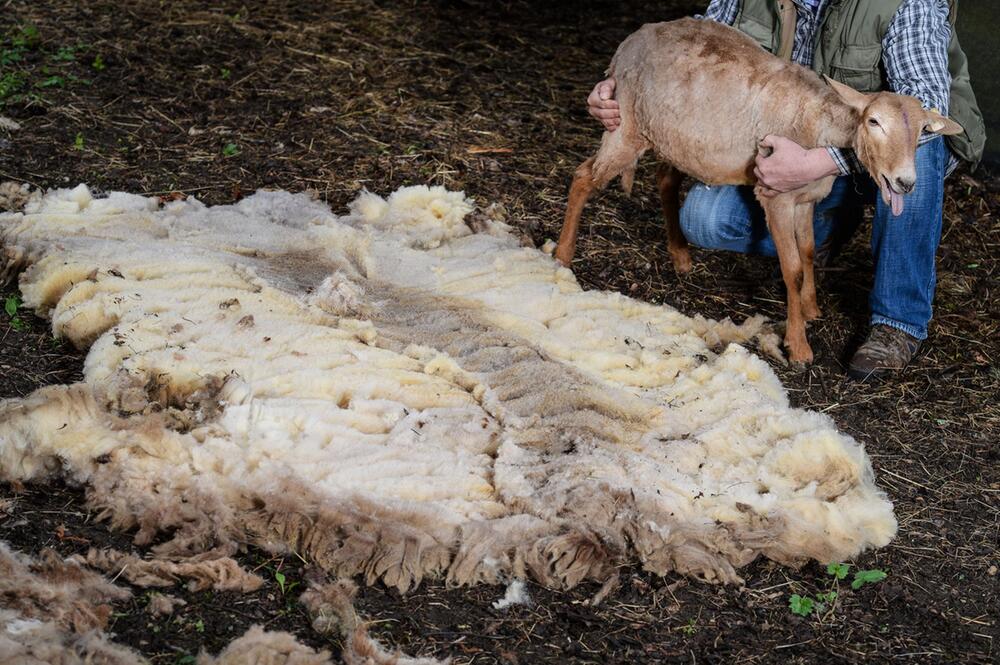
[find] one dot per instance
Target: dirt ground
(488, 97)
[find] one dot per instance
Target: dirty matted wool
(393, 394)
(260, 647)
(331, 606)
(53, 612)
(209, 571)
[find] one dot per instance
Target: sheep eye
(873, 122)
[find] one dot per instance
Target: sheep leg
(806, 243)
(668, 181)
(780, 213)
(581, 189)
(620, 151)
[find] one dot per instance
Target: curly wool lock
(395, 394)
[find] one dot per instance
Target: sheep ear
(939, 124)
(851, 97)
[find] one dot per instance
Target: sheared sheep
(702, 96)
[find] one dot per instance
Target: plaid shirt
(914, 54)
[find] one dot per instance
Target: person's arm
(601, 102)
(845, 159)
(915, 53)
(790, 166)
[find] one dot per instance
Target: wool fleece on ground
(407, 390)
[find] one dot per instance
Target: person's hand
(783, 165)
(602, 105)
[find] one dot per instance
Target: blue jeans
(903, 247)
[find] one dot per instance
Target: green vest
(849, 50)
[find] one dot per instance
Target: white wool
(18, 626)
(516, 594)
(421, 216)
(459, 380)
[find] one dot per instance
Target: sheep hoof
(563, 256)
(682, 261)
(799, 351)
(801, 358)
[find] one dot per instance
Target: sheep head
(886, 138)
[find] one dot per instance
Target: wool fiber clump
(398, 392)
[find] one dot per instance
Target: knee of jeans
(931, 159)
(707, 222)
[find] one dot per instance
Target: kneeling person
(919, 55)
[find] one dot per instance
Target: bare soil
(217, 99)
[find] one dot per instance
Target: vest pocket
(858, 67)
(757, 31)
(967, 146)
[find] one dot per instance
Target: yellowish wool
(394, 358)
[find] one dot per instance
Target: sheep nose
(905, 186)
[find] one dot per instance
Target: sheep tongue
(896, 201)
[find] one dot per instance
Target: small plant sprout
(65, 54)
(225, 73)
(10, 306)
(17, 45)
(826, 597)
(51, 81)
(806, 605)
(230, 150)
(28, 36)
(863, 577)
(801, 605)
(98, 63)
(10, 84)
(78, 141)
(838, 570)
(283, 583)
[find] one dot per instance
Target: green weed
(807, 605)
(17, 44)
(283, 583)
(11, 83)
(51, 81)
(838, 570)
(230, 150)
(11, 304)
(863, 577)
(52, 68)
(801, 605)
(8, 56)
(65, 54)
(27, 37)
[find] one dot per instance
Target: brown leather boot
(887, 349)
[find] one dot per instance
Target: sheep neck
(837, 122)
